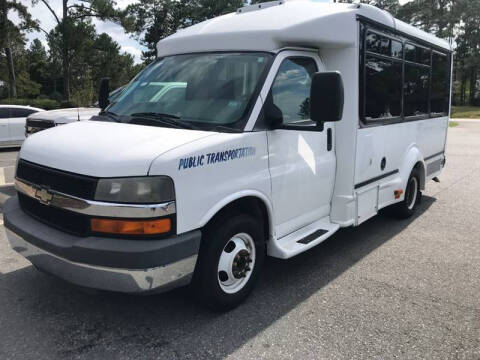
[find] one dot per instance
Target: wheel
(407, 207)
(230, 260)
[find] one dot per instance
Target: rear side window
(20, 113)
(440, 97)
(4, 113)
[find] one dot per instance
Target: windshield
(206, 90)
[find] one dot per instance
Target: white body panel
(104, 149)
(305, 188)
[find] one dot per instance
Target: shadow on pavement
(58, 320)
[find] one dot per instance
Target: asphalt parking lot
(388, 289)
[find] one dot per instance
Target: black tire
(206, 283)
(413, 195)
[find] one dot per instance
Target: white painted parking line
(2, 176)
(7, 175)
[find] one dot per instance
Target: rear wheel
(230, 261)
(407, 207)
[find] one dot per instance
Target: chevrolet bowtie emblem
(44, 196)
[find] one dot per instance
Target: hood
(104, 149)
(65, 116)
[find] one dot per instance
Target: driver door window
(291, 90)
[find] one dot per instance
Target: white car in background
(48, 119)
(12, 124)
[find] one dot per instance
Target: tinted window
(417, 54)
(397, 49)
(20, 113)
(410, 52)
(383, 45)
(416, 90)
(383, 88)
(440, 83)
(291, 90)
(4, 113)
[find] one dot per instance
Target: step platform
(302, 239)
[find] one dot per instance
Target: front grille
(68, 183)
(35, 125)
(70, 222)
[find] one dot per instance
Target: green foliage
(26, 87)
(153, 20)
(67, 104)
(466, 112)
(46, 104)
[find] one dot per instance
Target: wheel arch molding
(412, 160)
(246, 202)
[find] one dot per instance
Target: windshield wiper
(168, 119)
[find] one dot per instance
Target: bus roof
(288, 23)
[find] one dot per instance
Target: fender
(412, 157)
(236, 196)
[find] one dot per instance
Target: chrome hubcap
(236, 263)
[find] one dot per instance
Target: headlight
(142, 190)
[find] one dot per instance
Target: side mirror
(103, 93)
(273, 115)
(326, 97)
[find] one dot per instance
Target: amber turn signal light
(128, 227)
(398, 194)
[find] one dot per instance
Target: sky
(47, 22)
(126, 42)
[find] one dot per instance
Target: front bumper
(128, 266)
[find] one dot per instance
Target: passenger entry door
(301, 154)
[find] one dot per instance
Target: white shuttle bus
(287, 121)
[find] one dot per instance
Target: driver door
(301, 155)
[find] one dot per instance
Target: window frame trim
(316, 127)
(255, 123)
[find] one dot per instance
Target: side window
(4, 113)
(383, 88)
(382, 77)
(417, 54)
(21, 113)
(401, 80)
(440, 97)
(291, 90)
(417, 79)
(383, 45)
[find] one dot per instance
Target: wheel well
(421, 169)
(250, 205)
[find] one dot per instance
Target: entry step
(303, 239)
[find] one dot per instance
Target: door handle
(329, 139)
